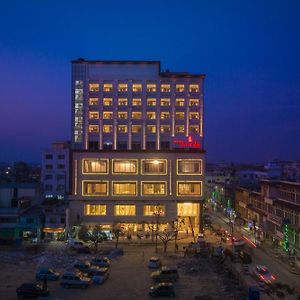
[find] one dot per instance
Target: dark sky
(249, 50)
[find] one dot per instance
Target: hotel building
(137, 140)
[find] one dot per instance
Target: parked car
(99, 275)
(164, 289)
(238, 242)
(165, 274)
(83, 267)
(76, 244)
(46, 273)
(100, 262)
(74, 279)
(154, 263)
(200, 238)
(262, 273)
(31, 290)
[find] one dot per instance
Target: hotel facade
(137, 146)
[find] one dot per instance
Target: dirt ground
(129, 275)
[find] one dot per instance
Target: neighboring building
(251, 178)
(15, 198)
(55, 170)
(55, 218)
(137, 139)
(267, 211)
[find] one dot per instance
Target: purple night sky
(249, 50)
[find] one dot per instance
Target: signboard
(187, 142)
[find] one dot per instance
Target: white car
(76, 244)
(238, 242)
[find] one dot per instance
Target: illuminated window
(136, 102)
(179, 102)
(165, 88)
(107, 128)
(165, 102)
(189, 166)
(94, 166)
(194, 88)
(165, 128)
(136, 115)
(95, 209)
(194, 102)
(164, 115)
(94, 87)
(187, 209)
(154, 210)
(107, 115)
(124, 188)
(93, 128)
(151, 115)
(136, 87)
(154, 166)
(151, 128)
(154, 188)
(124, 166)
(94, 188)
(122, 115)
(122, 102)
(122, 128)
(93, 101)
(151, 87)
(180, 88)
(179, 128)
(125, 210)
(151, 102)
(179, 115)
(194, 116)
(107, 101)
(188, 188)
(122, 87)
(136, 128)
(93, 115)
(194, 129)
(107, 87)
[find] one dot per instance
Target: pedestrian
(45, 286)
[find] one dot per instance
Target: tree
(176, 227)
(158, 211)
(117, 232)
(166, 236)
(97, 236)
(83, 233)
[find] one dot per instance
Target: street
(260, 256)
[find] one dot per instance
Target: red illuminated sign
(190, 143)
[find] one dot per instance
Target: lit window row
(150, 87)
(148, 166)
(124, 210)
(96, 188)
(138, 102)
(149, 129)
(123, 115)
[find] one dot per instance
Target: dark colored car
(163, 289)
(46, 273)
(83, 267)
(101, 262)
(31, 290)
